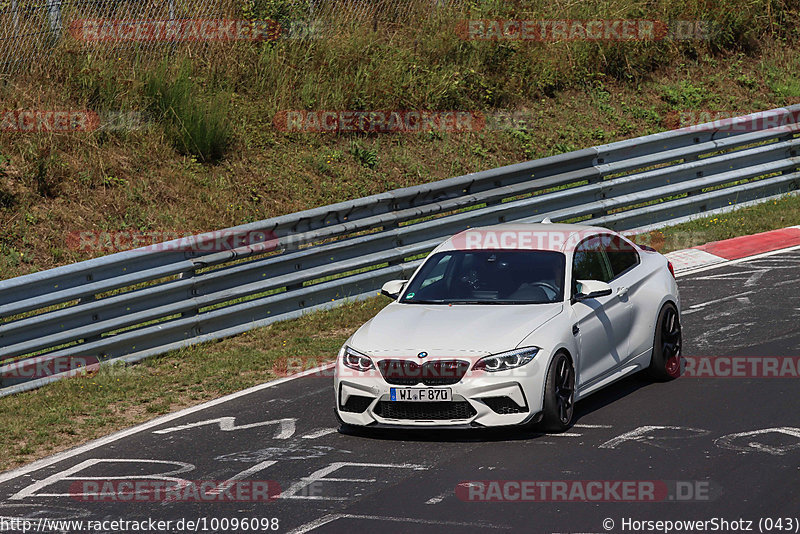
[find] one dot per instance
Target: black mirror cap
(596, 294)
(387, 294)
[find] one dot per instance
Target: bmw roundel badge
(422, 355)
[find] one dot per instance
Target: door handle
(622, 291)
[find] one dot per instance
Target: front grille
(425, 411)
(503, 405)
(433, 373)
(357, 404)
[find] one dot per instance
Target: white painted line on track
(439, 498)
(320, 433)
(50, 460)
(228, 424)
(242, 475)
(692, 258)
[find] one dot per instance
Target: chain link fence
(33, 28)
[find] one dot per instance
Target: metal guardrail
(134, 304)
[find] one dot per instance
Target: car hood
(407, 329)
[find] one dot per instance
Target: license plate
(421, 394)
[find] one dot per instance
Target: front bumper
(479, 399)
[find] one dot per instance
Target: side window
(621, 254)
(589, 262)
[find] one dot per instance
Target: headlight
(506, 360)
(355, 360)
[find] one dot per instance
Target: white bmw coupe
(511, 325)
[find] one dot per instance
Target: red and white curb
(734, 249)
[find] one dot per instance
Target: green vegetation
(751, 220)
(194, 129)
(207, 154)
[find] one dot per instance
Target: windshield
(488, 277)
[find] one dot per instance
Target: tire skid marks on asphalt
(699, 307)
(730, 441)
(312, 525)
(643, 434)
(288, 451)
(321, 475)
(742, 442)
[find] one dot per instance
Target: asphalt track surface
(731, 445)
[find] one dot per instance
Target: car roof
(559, 237)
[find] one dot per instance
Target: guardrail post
(15, 15)
(192, 292)
(54, 14)
(95, 317)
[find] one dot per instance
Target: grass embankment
(746, 221)
(208, 157)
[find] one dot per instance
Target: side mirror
(393, 288)
(591, 289)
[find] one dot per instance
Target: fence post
(54, 14)
(15, 16)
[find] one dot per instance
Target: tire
(665, 363)
(559, 394)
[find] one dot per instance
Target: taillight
(671, 268)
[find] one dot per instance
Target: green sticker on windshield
(410, 296)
